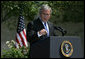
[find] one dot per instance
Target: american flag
(21, 39)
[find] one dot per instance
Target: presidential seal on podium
(66, 48)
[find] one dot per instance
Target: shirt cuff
(38, 34)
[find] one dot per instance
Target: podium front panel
(40, 49)
(55, 45)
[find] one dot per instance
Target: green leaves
(13, 52)
(30, 9)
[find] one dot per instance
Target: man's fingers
(43, 32)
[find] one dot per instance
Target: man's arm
(31, 33)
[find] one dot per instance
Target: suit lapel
(39, 24)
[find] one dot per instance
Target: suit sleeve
(31, 33)
(54, 31)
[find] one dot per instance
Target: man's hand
(43, 32)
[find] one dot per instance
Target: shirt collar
(41, 20)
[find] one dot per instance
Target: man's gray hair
(45, 7)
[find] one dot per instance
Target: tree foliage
(62, 10)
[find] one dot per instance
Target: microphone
(63, 31)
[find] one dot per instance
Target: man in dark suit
(41, 28)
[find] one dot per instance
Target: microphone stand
(63, 31)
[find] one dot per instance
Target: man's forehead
(47, 10)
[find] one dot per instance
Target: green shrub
(14, 52)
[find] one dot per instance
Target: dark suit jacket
(35, 26)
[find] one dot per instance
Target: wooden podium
(51, 47)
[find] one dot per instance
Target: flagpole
(21, 8)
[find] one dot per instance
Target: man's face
(45, 15)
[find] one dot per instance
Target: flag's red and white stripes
(21, 39)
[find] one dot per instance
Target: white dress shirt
(45, 28)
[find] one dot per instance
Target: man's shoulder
(50, 23)
(35, 21)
